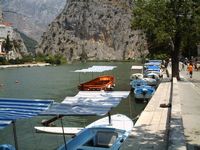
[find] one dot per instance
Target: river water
(57, 82)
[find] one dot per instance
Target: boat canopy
(137, 67)
(13, 109)
(152, 67)
(156, 61)
(121, 94)
(87, 103)
(152, 64)
(97, 69)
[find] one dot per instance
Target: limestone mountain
(94, 30)
(31, 17)
(1, 14)
(17, 47)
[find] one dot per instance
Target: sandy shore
(24, 65)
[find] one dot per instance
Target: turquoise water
(56, 82)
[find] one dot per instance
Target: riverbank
(25, 65)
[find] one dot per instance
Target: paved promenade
(177, 128)
(150, 131)
(189, 92)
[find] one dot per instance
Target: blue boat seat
(105, 138)
(7, 147)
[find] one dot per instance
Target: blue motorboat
(151, 81)
(137, 82)
(101, 135)
(149, 77)
(155, 61)
(152, 68)
(7, 147)
(144, 92)
(144, 81)
(135, 76)
(153, 75)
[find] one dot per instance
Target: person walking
(182, 66)
(190, 69)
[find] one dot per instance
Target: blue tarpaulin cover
(84, 103)
(13, 109)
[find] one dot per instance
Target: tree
(8, 45)
(168, 22)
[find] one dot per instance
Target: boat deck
(99, 83)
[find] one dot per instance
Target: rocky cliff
(94, 30)
(1, 14)
(18, 48)
(31, 17)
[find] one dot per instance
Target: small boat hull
(7, 147)
(138, 82)
(151, 81)
(144, 92)
(58, 130)
(100, 83)
(143, 81)
(101, 135)
(153, 75)
(136, 76)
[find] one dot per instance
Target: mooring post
(15, 135)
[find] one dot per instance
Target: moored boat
(151, 81)
(137, 82)
(100, 83)
(144, 92)
(104, 134)
(153, 74)
(7, 147)
(135, 76)
(153, 67)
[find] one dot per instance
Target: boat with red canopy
(104, 82)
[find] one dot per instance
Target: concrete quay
(161, 127)
(150, 130)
